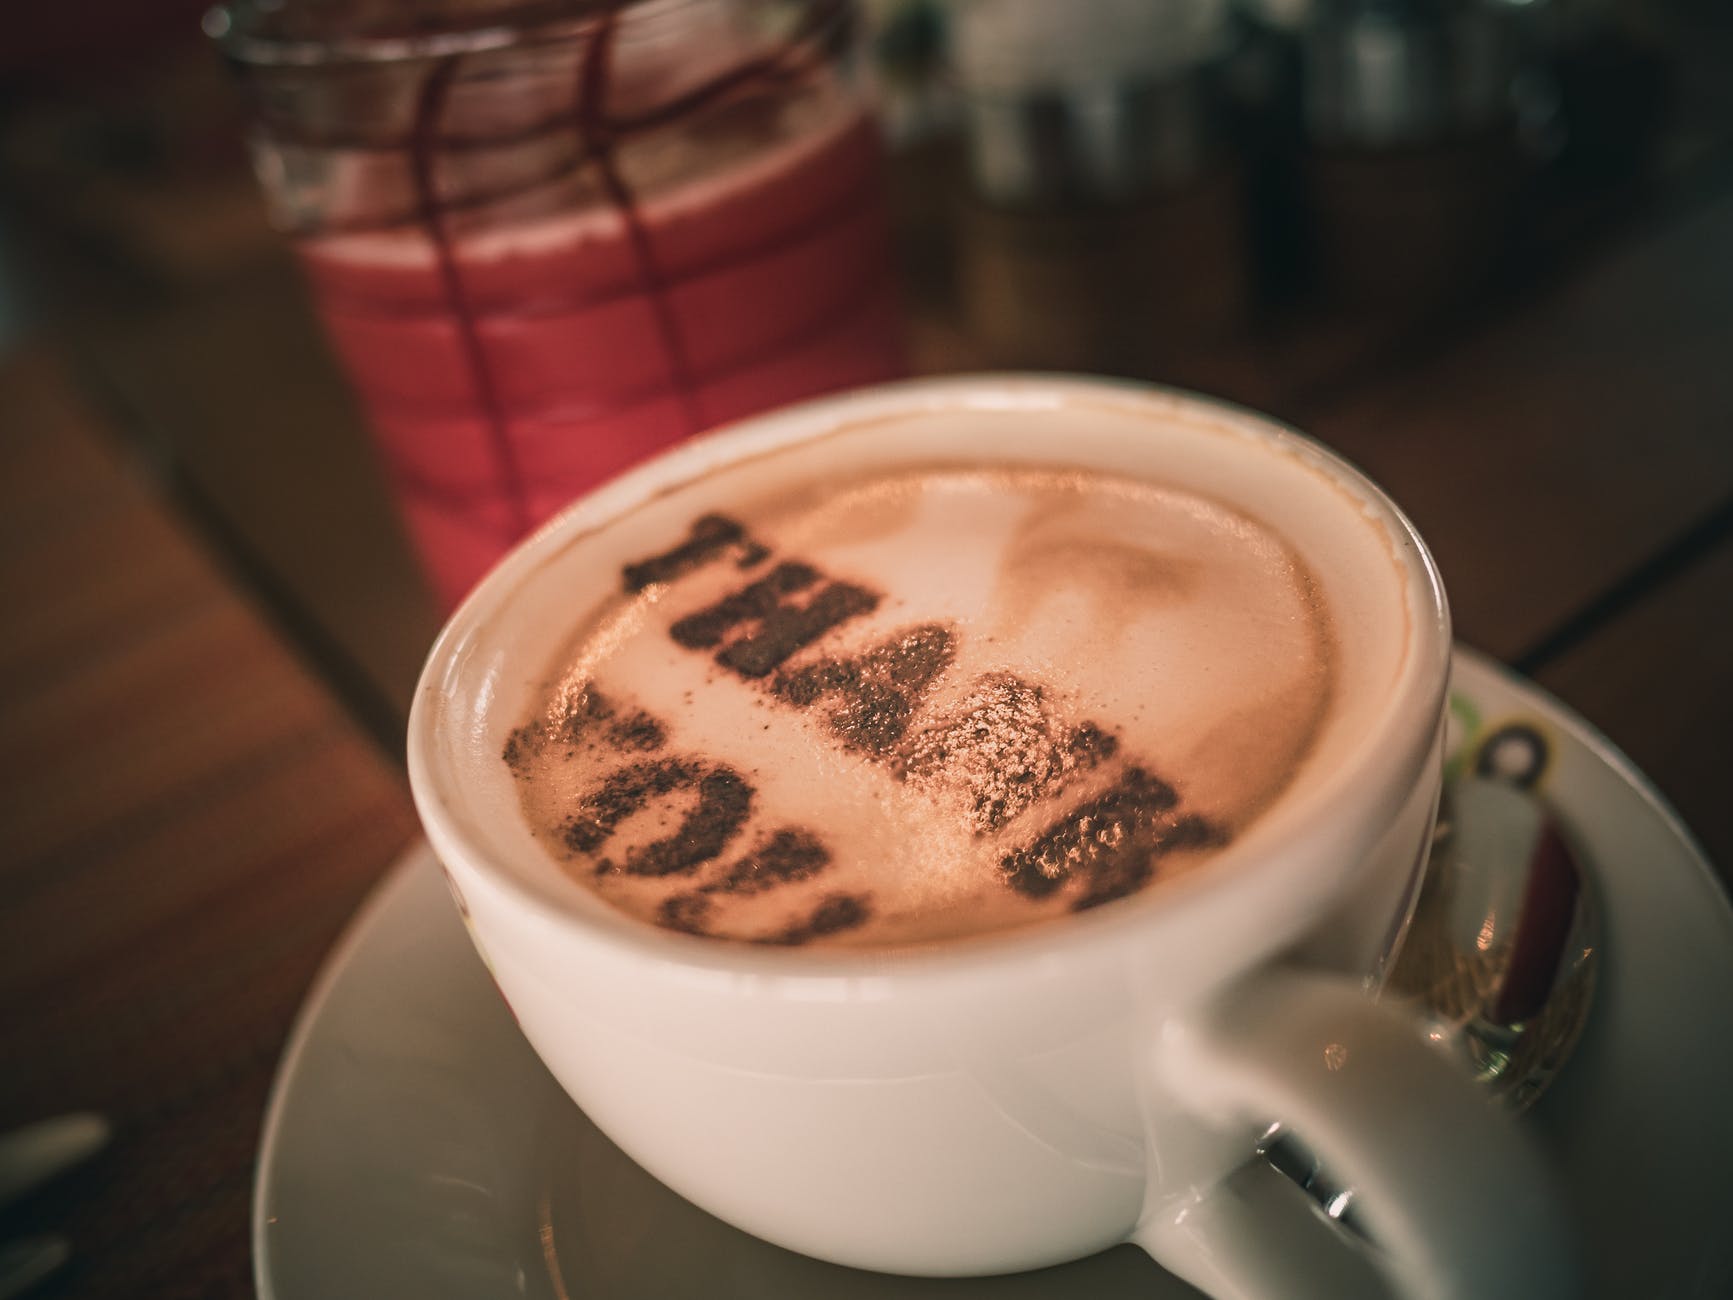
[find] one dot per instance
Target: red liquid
(508, 372)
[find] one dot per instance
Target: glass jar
(549, 240)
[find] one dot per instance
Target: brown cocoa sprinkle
(1111, 843)
(689, 913)
(520, 747)
(709, 535)
(707, 627)
(880, 690)
(1116, 875)
(789, 628)
(591, 707)
(837, 913)
(1089, 745)
(621, 795)
(791, 854)
(1005, 748)
(529, 740)
(637, 731)
(833, 914)
(724, 802)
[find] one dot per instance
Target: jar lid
(320, 32)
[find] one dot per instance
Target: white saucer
(415, 1146)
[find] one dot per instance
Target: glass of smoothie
(548, 240)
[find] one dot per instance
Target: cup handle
(1454, 1194)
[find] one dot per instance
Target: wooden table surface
(213, 626)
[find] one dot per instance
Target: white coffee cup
(1032, 1096)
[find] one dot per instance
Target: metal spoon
(1503, 950)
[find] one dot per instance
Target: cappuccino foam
(926, 703)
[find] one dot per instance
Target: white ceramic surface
(416, 1146)
(1029, 1096)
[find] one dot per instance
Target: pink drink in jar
(545, 252)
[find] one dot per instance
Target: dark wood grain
(1659, 682)
(228, 386)
(189, 819)
(1557, 451)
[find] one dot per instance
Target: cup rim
(1368, 779)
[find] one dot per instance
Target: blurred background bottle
(1166, 188)
(1106, 213)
